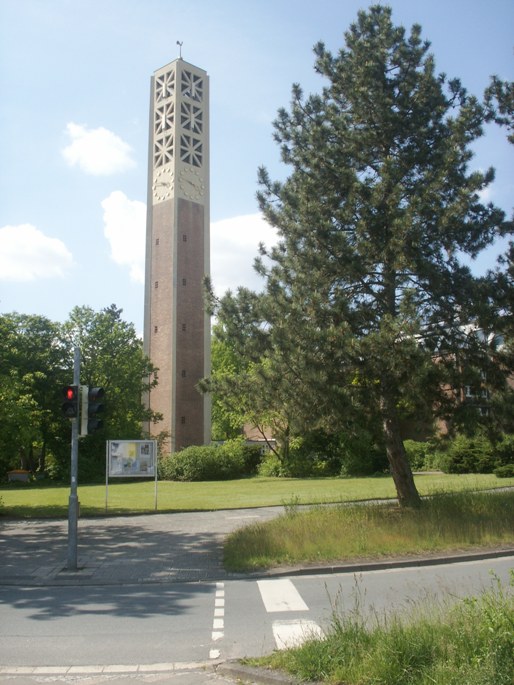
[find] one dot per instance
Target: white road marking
(243, 518)
(294, 633)
(218, 623)
(281, 595)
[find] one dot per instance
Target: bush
(319, 455)
(365, 463)
(469, 455)
(231, 460)
(504, 451)
(251, 454)
(417, 453)
(505, 471)
(315, 454)
(434, 458)
(272, 467)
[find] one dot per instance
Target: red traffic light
(70, 406)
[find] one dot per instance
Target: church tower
(176, 326)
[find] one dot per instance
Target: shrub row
(464, 454)
(235, 459)
(232, 459)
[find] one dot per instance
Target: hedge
(230, 460)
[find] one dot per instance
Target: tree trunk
(401, 471)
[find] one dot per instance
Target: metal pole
(107, 449)
(154, 448)
(73, 505)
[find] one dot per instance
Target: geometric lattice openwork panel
(191, 150)
(191, 86)
(163, 150)
(164, 118)
(165, 86)
(191, 117)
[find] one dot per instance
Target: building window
(182, 420)
(183, 373)
(184, 327)
(184, 281)
(157, 241)
(156, 284)
(155, 329)
(184, 238)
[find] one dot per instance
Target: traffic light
(91, 407)
(70, 406)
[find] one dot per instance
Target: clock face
(191, 184)
(162, 184)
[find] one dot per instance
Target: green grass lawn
(41, 500)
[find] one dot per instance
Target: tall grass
(468, 643)
(346, 532)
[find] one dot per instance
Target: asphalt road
(188, 628)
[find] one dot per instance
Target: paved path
(158, 548)
(123, 549)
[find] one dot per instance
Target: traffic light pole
(73, 505)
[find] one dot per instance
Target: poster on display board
(131, 459)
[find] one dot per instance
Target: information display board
(130, 459)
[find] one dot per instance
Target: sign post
(73, 502)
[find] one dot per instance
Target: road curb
(382, 565)
(257, 676)
(82, 577)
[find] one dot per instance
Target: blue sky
(74, 84)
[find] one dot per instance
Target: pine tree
(365, 288)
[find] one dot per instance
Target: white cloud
(234, 246)
(124, 228)
(234, 243)
(27, 254)
(97, 151)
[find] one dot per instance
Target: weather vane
(180, 43)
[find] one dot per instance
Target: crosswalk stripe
(293, 633)
(280, 595)
(218, 624)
